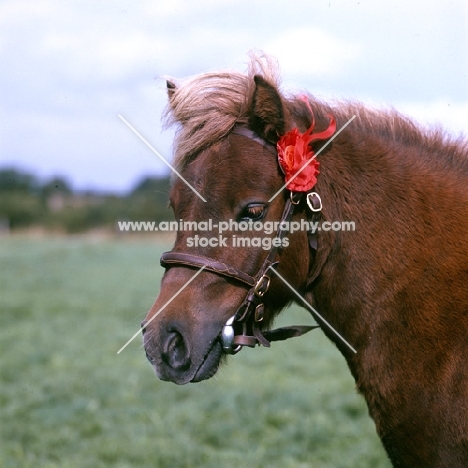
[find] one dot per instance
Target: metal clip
(227, 337)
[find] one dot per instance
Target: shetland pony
(396, 288)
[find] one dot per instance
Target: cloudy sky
(69, 68)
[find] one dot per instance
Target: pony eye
(253, 211)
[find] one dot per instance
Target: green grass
(68, 400)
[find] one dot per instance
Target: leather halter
(243, 328)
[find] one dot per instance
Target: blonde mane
(208, 106)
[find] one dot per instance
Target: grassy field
(68, 400)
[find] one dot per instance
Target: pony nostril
(143, 327)
(176, 353)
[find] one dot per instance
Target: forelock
(208, 106)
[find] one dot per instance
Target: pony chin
(210, 363)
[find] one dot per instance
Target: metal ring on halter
(295, 201)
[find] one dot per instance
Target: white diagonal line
(313, 310)
(311, 159)
(173, 169)
(162, 308)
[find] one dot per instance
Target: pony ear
(171, 88)
(266, 114)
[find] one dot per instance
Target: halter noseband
(243, 328)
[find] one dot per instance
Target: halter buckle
(262, 286)
(314, 202)
(259, 313)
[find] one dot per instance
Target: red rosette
(296, 157)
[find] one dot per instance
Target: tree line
(25, 202)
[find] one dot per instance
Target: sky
(68, 69)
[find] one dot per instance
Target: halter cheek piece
(243, 328)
